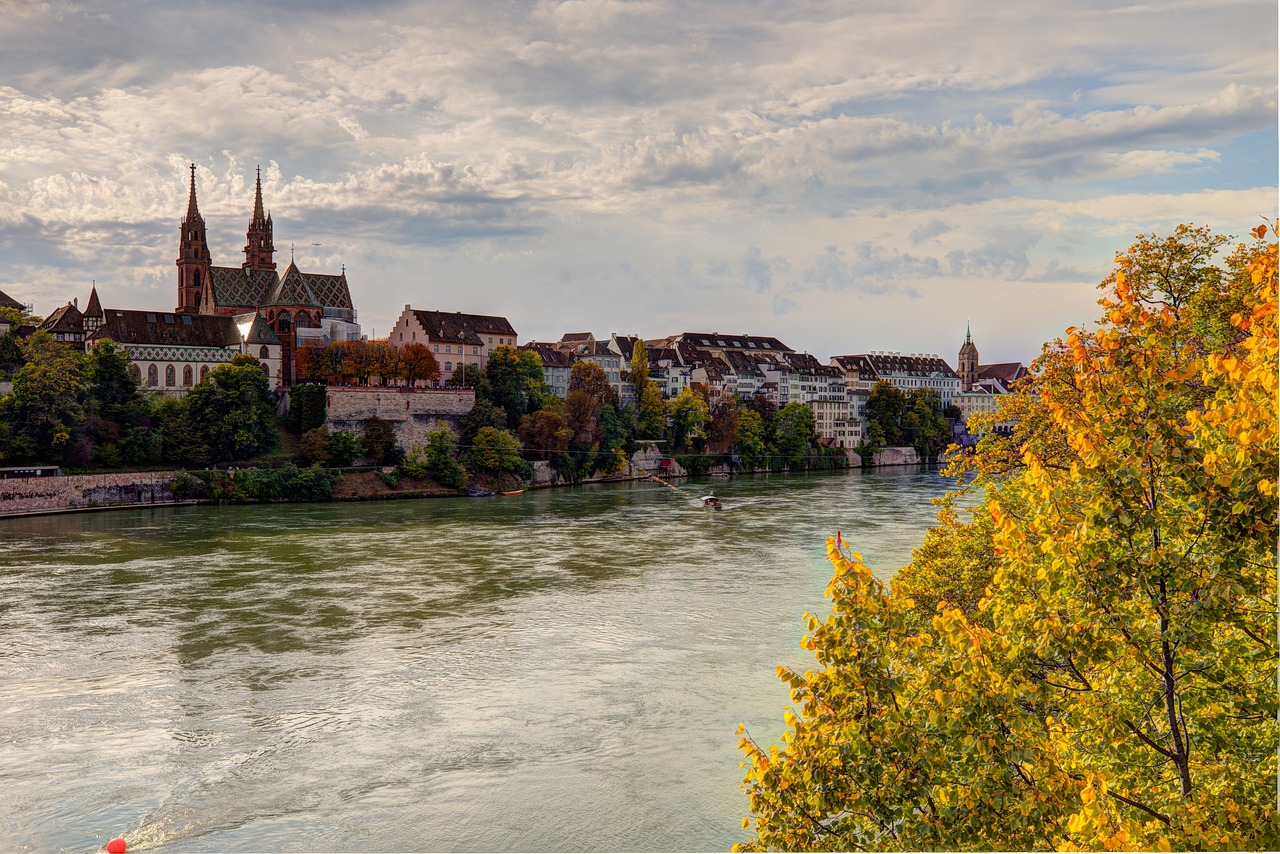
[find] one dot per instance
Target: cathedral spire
(193, 210)
(967, 338)
(259, 247)
(257, 198)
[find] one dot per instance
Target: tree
(651, 412)
(417, 364)
(307, 403)
(472, 377)
(545, 435)
(885, 407)
(483, 413)
(345, 447)
(315, 446)
(1098, 669)
(638, 375)
(515, 381)
(689, 416)
(797, 435)
(379, 438)
(722, 428)
(233, 413)
(924, 428)
(590, 378)
(751, 439)
(441, 463)
(495, 450)
(115, 392)
(46, 395)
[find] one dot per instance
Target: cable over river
(562, 670)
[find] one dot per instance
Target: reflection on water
(562, 670)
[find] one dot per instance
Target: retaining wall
(412, 412)
(79, 491)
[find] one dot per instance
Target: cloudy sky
(848, 176)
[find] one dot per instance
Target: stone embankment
(413, 412)
(30, 495)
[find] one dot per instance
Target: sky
(846, 176)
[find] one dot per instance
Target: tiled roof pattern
(181, 330)
(237, 286)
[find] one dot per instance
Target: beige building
(455, 338)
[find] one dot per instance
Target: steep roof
(462, 328)
(176, 330)
(7, 301)
(255, 329)
(94, 306)
(65, 318)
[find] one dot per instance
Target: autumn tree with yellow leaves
(1089, 660)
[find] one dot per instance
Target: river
(562, 670)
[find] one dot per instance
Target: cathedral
(299, 307)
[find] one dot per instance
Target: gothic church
(299, 307)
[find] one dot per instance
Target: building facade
(455, 339)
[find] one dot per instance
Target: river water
(562, 670)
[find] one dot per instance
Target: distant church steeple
(193, 255)
(968, 361)
(259, 247)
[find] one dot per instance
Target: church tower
(259, 248)
(193, 255)
(968, 362)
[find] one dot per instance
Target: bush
(316, 446)
(344, 447)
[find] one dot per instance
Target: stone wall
(895, 457)
(79, 491)
(412, 412)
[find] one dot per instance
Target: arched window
(170, 375)
(282, 321)
(187, 375)
(135, 373)
(195, 278)
(204, 371)
(264, 353)
(153, 375)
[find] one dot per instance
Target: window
(448, 348)
(475, 351)
(135, 373)
(170, 376)
(204, 372)
(491, 340)
(153, 375)
(264, 353)
(187, 375)
(448, 367)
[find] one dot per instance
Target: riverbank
(122, 490)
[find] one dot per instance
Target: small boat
(477, 492)
(514, 492)
(712, 502)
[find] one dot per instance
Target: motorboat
(712, 502)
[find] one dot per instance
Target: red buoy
(117, 846)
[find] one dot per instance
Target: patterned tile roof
(235, 287)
